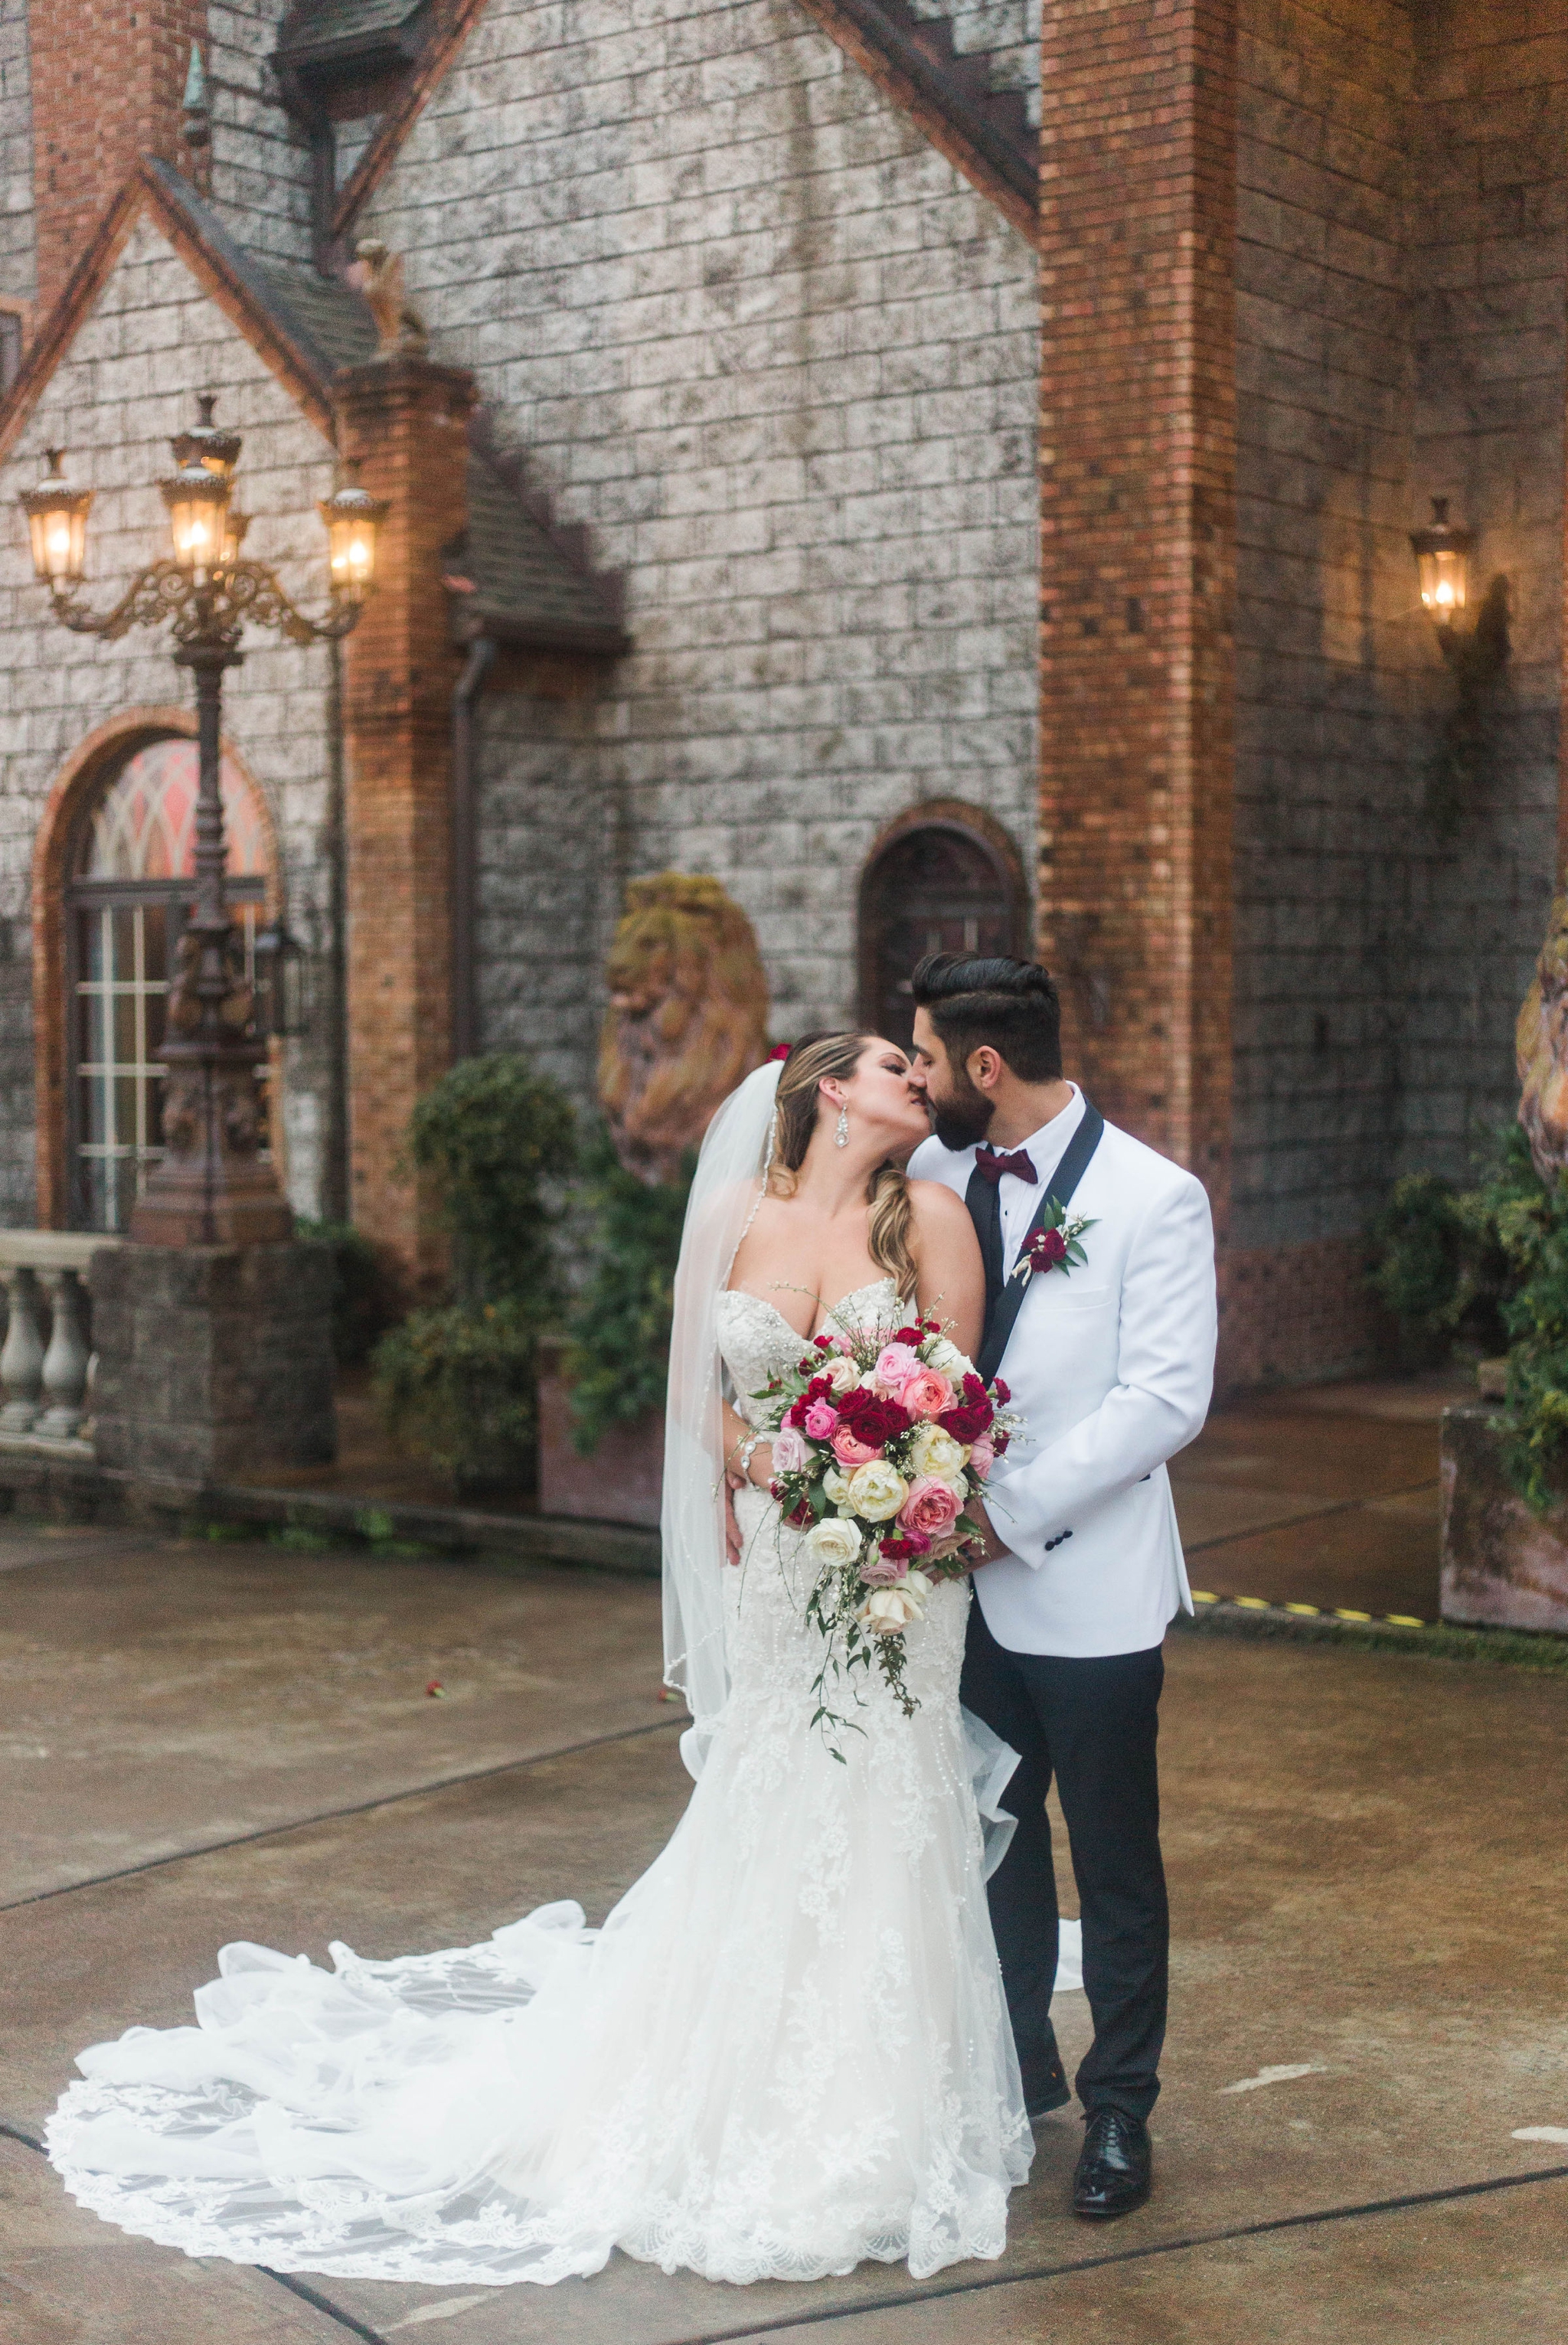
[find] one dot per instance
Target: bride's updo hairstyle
(812, 1060)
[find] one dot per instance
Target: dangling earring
(841, 1128)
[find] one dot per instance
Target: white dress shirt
(1020, 1199)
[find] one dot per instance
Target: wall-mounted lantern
(1442, 552)
(284, 991)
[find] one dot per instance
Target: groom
(1111, 1364)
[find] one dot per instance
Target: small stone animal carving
(688, 1018)
(378, 275)
(1541, 1050)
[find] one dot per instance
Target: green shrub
(489, 1134)
(617, 1357)
(363, 1305)
(459, 1386)
(1490, 1265)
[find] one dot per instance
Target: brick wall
(758, 336)
(126, 384)
(260, 168)
(18, 258)
(108, 77)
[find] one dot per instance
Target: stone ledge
(1503, 1565)
(1434, 1640)
(68, 1490)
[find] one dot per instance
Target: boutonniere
(1056, 1245)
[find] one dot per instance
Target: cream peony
(843, 1376)
(833, 1542)
(837, 1487)
(888, 1611)
(934, 1451)
(877, 1491)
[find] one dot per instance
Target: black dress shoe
(1046, 2086)
(1115, 2168)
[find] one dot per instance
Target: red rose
(910, 1335)
(967, 1423)
(1003, 1393)
(1047, 1248)
(871, 1419)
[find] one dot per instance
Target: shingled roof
(341, 33)
(526, 588)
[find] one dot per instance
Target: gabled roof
(331, 37)
(527, 586)
(983, 132)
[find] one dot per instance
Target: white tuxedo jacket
(1111, 1366)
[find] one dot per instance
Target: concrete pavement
(208, 1742)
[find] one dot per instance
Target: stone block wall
(151, 339)
(781, 360)
(260, 165)
(1489, 279)
(18, 254)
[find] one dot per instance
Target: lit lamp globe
(1442, 565)
(198, 502)
(57, 526)
(353, 518)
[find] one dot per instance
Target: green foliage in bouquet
(1489, 1266)
(617, 1358)
(458, 1384)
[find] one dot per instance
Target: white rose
(837, 1487)
(942, 1354)
(887, 1610)
(869, 1379)
(843, 1376)
(932, 1451)
(877, 1491)
(833, 1542)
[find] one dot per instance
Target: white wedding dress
(786, 2051)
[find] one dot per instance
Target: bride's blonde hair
(834, 1057)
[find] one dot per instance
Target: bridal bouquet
(879, 1441)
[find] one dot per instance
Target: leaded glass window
(127, 906)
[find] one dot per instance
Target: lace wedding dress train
(786, 2051)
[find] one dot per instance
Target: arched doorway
(944, 878)
(126, 901)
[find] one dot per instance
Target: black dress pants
(1093, 1723)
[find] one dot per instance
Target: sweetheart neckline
(744, 1293)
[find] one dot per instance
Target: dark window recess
(10, 349)
(937, 888)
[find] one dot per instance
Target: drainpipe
(465, 848)
(336, 1201)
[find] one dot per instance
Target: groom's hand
(992, 1545)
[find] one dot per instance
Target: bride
(787, 2050)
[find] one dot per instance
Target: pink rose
(821, 1420)
(981, 1458)
(927, 1393)
(884, 1570)
(851, 1452)
(789, 1452)
(930, 1509)
(896, 1364)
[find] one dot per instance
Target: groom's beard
(965, 1118)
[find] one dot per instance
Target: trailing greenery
(617, 1357)
(362, 1307)
(1488, 1267)
(458, 1382)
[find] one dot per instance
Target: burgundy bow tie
(991, 1166)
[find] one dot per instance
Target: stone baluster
(65, 1374)
(22, 1359)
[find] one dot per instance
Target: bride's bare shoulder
(941, 1215)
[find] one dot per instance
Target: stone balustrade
(46, 1359)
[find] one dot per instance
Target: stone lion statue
(1541, 1050)
(688, 1018)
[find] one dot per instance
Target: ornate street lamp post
(211, 1187)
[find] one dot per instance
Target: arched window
(127, 903)
(943, 879)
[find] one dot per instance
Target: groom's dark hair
(1012, 1005)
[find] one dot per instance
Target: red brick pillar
(108, 77)
(1137, 467)
(405, 418)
